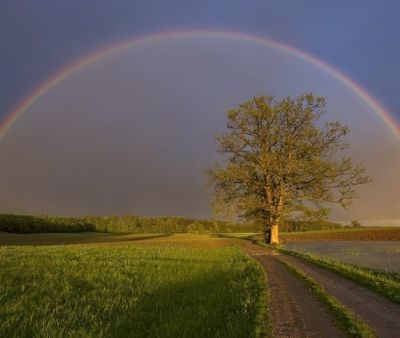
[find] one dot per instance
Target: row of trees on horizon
(137, 224)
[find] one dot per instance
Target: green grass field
(127, 290)
(112, 239)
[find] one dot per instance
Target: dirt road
(295, 312)
(382, 315)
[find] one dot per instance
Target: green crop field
(127, 290)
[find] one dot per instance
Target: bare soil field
(363, 234)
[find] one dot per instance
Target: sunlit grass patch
(183, 240)
(114, 291)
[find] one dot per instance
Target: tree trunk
(271, 234)
(274, 239)
(267, 234)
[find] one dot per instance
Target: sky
(133, 132)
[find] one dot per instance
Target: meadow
(94, 284)
(127, 290)
(39, 239)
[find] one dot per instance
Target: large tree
(280, 161)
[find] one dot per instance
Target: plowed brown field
(374, 234)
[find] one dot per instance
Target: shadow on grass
(195, 308)
(210, 304)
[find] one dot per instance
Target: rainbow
(42, 89)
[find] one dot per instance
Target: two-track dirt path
(293, 310)
(379, 313)
(382, 315)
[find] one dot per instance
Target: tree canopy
(280, 162)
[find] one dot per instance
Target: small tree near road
(279, 163)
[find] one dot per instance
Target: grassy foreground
(137, 291)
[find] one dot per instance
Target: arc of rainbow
(362, 93)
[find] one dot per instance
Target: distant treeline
(297, 225)
(25, 224)
(137, 224)
(117, 224)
